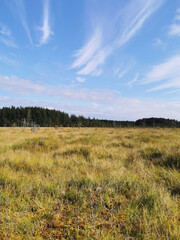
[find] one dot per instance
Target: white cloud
(123, 109)
(103, 43)
(137, 12)
(99, 103)
(8, 42)
(80, 79)
(10, 61)
(6, 36)
(167, 72)
(19, 86)
(45, 29)
(124, 69)
(84, 54)
(169, 69)
(171, 92)
(116, 71)
(159, 43)
(177, 18)
(174, 29)
(121, 74)
(97, 60)
(4, 30)
(97, 72)
(130, 83)
(175, 83)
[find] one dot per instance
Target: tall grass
(89, 183)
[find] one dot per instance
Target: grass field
(89, 183)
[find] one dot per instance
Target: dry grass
(89, 183)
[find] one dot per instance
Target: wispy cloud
(80, 79)
(19, 86)
(136, 13)
(177, 18)
(121, 74)
(175, 83)
(4, 30)
(159, 43)
(8, 42)
(45, 28)
(167, 72)
(21, 11)
(130, 83)
(10, 61)
(174, 29)
(84, 54)
(101, 103)
(97, 60)
(6, 36)
(103, 42)
(123, 69)
(91, 55)
(97, 72)
(27, 87)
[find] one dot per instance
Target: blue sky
(117, 59)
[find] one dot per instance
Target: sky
(117, 59)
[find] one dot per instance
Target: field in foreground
(89, 183)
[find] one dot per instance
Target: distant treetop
(44, 117)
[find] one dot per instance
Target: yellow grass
(89, 183)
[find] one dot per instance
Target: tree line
(44, 117)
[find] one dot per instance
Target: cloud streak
(80, 79)
(94, 53)
(10, 61)
(20, 9)
(124, 69)
(97, 60)
(130, 83)
(27, 87)
(6, 37)
(174, 29)
(45, 29)
(19, 86)
(136, 13)
(4, 30)
(159, 43)
(166, 73)
(84, 54)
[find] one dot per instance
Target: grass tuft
(84, 183)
